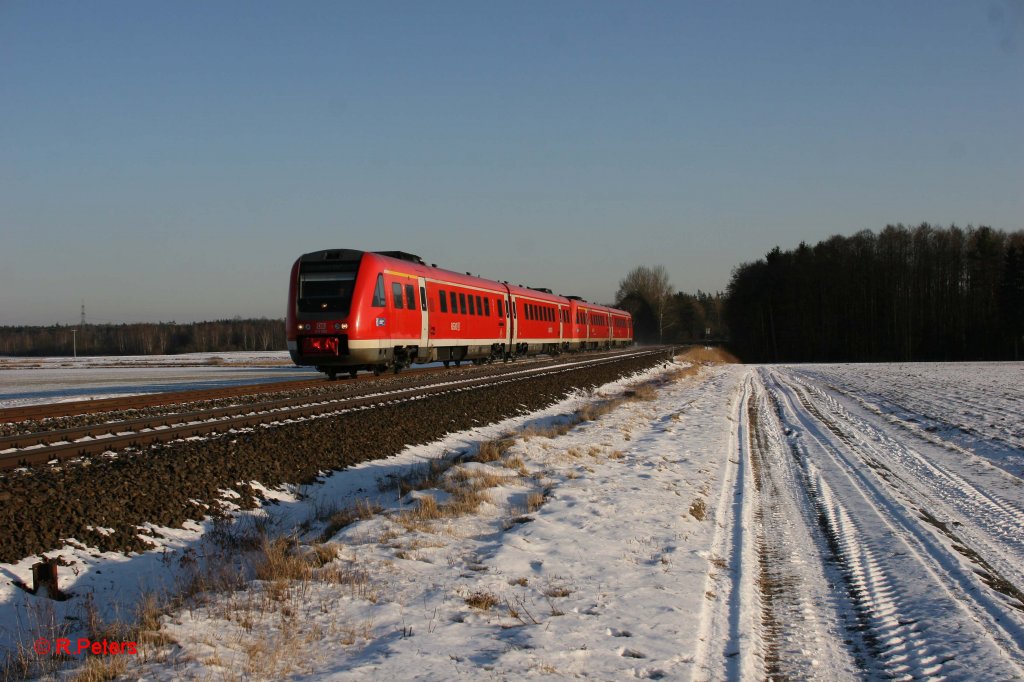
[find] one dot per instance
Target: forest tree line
(662, 315)
(164, 338)
(906, 294)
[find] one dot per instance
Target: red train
(350, 310)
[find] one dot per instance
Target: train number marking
(456, 326)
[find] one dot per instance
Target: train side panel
(349, 310)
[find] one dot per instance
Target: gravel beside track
(102, 501)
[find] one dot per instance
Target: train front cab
(336, 318)
(352, 310)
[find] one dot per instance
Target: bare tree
(650, 285)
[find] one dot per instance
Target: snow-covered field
(33, 381)
(807, 522)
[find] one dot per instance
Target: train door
(424, 317)
(505, 319)
(513, 323)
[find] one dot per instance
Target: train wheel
(447, 364)
(332, 374)
(379, 369)
(353, 372)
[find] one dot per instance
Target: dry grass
(596, 410)
(360, 511)
(550, 430)
(425, 477)
(101, 668)
(464, 500)
(646, 392)
(698, 509)
(556, 591)
(466, 478)
(517, 464)
(682, 373)
(493, 450)
(426, 510)
(481, 600)
(278, 561)
(707, 355)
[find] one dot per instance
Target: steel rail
(80, 407)
(207, 422)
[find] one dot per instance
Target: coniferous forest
(164, 338)
(905, 294)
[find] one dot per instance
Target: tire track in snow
(725, 641)
(914, 605)
(804, 634)
(936, 494)
(991, 527)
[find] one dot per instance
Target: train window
(487, 307)
(472, 305)
(423, 298)
(443, 300)
(410, 297)
(325, 291)
(501, 309)
(462, 303)
(515, 311)
(396, 294)
(379, 297)
(455, 302)
(479, 306)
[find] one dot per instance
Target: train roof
(415, 265)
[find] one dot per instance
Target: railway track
(50, 445)
(136, 402)
(113, 501)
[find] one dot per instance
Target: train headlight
(344, 326)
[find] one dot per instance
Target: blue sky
(170, 160)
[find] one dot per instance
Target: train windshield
(322, 292)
